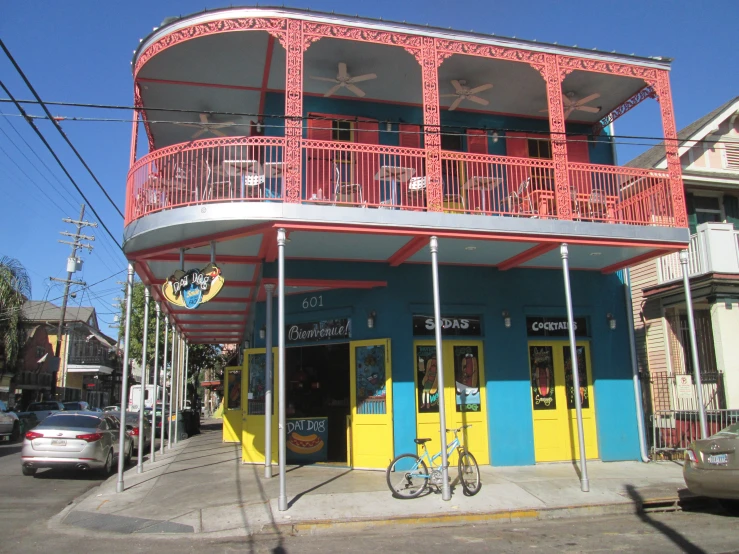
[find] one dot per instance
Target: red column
(553, 77)
(293, 111)
(677, 191)
(431, 122)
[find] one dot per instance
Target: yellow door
(254, 388)
(371, 401)
(464, 399)
(232, 405)
(553, 401)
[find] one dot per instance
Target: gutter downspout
(635, 369)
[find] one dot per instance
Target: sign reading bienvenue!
(191, 288)
(331, 329)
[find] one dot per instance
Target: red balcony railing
(236, 169)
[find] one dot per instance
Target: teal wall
(458, 121)
(486, 292)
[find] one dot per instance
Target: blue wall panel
(487, 292)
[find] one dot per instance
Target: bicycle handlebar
(457, 430)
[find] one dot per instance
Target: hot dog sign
(191, 288)
(307, 440)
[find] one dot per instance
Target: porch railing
(713, 248)
(672, 431)
(236, 169)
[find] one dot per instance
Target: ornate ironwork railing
(240, 169)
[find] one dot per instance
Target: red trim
(226, 330)
(209, 312)
(635, 260)
(213, 322)
(526, 255)
(195, 84)
(240, 284)
(230, 299)
(329, 283)
(204, 258)
(196, 242)
(265, 75)
(267, 237)
(408, 250)
(270, 253)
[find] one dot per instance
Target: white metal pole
(187, 371)
(635, 369)
(693, 344)
(164, 388)
(124, 384)
(178, 402)
(156, 386)
(281, 428)
(144, 380)
(446, 493)
(268, 381)
(172, 394)
(584, 482)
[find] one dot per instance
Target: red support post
(674, 169)
(431, 123)
(293, 155)
(553, 77)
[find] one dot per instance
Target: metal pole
(164, 386)
(584, 482)
(635, 369)
(446, 493)
(187, 372)
(156, 387)
(172, 394)
(144, 380)
(281, 428)
(270, 289)
(693, 344)
(124, 384)
(178, 403)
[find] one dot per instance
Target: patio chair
(252, 184)
(417, 192)
(346, 193)
(597, 207)
(575, 204)
(519, 201)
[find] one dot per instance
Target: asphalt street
(27, 503)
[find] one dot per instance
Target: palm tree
(15, 289)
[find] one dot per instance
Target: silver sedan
(81, 440)
(712, 466)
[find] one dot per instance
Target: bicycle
(408, 474)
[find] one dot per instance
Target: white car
(10, 425)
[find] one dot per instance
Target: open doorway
(318, 386)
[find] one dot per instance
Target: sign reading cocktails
(192, 288)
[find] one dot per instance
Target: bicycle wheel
(469, 474)
(407, 476)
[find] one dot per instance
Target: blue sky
(79, 51)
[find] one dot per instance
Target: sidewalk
(202, 488)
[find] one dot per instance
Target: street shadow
(69, 474)
(318, 486)
(680, 541)
(9, 449)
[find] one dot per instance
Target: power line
(56, 125)
(51, 150)
(313, 117)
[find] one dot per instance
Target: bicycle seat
(420, 441)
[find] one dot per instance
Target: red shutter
(477, 141)
(410, 136)
(367, 163)
(319, 171)
(517, 146)
(577, 152)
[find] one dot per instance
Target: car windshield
(71, 420)
(72, 406)
(732, 429)
(43, 406)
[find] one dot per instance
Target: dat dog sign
(191, 288)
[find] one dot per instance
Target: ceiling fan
(463, 92)
(344, 80)
(206, 126)
(570, 104)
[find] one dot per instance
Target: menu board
(542, 377)
(467, 378)
(307, 440)
(582, 371)
(427, 382)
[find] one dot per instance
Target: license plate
(718, 459)
(58, 442)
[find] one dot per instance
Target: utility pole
(73, 265)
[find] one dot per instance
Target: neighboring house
(36, 372)
(709, 154)
(88, 367)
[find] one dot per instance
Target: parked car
(10, 424)
(111, 409)
(77, 405)
(81, 440)
(712, 466)
(44, 409)
(132, 428)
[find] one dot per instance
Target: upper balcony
(714, 249)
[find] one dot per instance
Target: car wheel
(16, 433)
(108, 467)
(29, 471)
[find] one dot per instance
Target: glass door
(255, 406)
(232, 404)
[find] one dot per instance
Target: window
(40, 351)
(341, 130)
(540, 148)
(707, 209)
(452, 143)
(70, 420)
